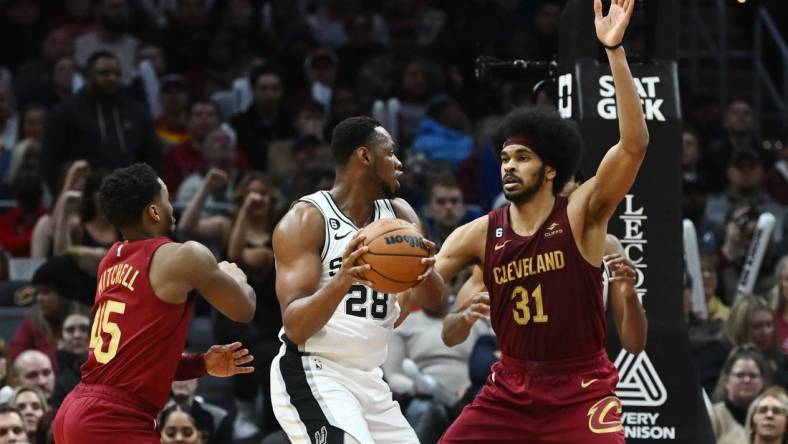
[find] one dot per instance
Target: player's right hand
(350, 272)
(479, 308)
(233, 270)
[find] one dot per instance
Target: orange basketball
(395, 253)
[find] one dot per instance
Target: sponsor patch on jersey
(553, 230)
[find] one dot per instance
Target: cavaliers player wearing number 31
(541, 258)
(141, 318)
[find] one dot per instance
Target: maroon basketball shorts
(100, 414)
(549, 402)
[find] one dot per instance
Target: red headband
(522, 140)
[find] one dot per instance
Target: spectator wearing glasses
(12, 426)
(72, 353)
(743, 377)
(767, 417)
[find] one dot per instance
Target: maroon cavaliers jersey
(136, 339)
(545, 298)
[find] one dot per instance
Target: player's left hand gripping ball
(228, 360)
(429, 261)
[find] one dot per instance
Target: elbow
(295, 335)
(634, 345)
(246, 313)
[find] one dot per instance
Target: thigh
(312, 404)
(388, 425)
(596, 421)
(89, 420)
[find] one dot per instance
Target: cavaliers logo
(605, 416)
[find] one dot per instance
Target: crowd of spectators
(233, 102)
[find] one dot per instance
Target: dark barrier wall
(661, 396)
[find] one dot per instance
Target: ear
(154, 214)
(364, 155)
(550, 173)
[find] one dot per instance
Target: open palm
(228, 360)
(611, 27)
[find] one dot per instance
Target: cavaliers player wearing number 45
(541, 258)
(142, 311)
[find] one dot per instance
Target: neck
(527, 217)
(758, 439)
(175, 117)
(137, 233)
(106, 34)
(265, 113)
(739, 140)
(354, 196)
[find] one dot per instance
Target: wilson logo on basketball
(413, 241)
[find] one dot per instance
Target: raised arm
(628, 313)
(211, 228)
(178, 269)
(619, 167)
(306, 307)
(260, 259)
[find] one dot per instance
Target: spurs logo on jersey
(358, 332)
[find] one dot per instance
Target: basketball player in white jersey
(326, 383)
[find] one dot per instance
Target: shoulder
(302, 226)
(477, 226)
(403, 210)
(190, 252)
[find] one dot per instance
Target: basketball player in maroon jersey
(541, 258)
(141, 318)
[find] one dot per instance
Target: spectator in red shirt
(186, 158)
(16, 225)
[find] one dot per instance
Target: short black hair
(203, 100)
(556, 141)
(126, 192)
(263, 70)
(350, 134)
(442, 180)
(100, 54)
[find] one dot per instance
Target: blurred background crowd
(233, 102)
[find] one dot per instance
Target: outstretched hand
(610, 28)
(228, 360)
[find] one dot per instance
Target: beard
(524, 195)
(117, 25)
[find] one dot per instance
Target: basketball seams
(391, 279)
(394, 254)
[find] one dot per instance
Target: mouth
(507, 179)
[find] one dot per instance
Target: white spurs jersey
(358, 332)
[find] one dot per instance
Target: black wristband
(614, 46)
